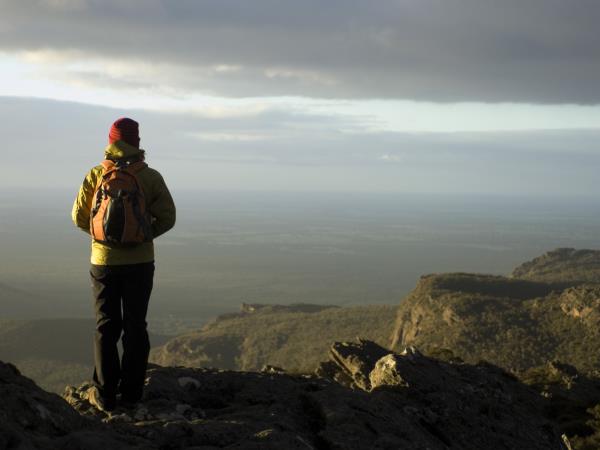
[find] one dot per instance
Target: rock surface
(461, 405)
(384, 400)
(31, 418)
(571, 397)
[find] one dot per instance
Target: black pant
(121, 296)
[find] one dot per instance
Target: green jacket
(159, 202)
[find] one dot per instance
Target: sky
(428, 96)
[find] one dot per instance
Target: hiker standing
(123, 204)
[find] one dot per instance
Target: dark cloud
(538, 51)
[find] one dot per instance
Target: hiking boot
(104, 404)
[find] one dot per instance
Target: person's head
(125, 129)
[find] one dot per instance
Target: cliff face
(363, 397)
(518, 323)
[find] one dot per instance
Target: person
(122, 273)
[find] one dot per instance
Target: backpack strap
(107, 164)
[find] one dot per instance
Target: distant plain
(266, 247)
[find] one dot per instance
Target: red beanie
(125, 129)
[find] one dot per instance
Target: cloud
(286, 150)
(535, 51)
(391, 158)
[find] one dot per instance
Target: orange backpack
(119, 216)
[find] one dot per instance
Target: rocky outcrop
(382, 400)
(461, 405)
(31, 418)
(559, 380)
(447, 302)
(563, 265)
(516, 324)
(582, 303)
(573, 400)
(363, 397)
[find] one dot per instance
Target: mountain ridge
(517, 323)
